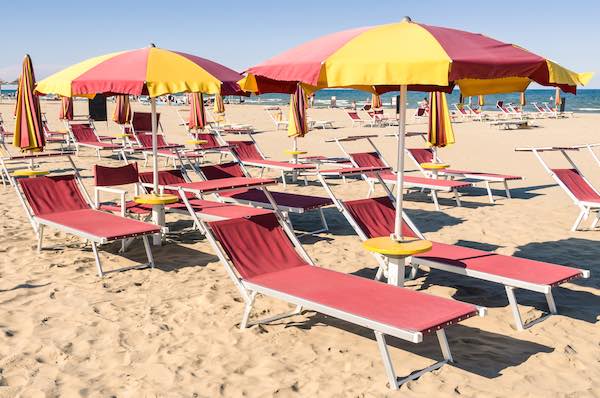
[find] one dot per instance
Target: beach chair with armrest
(248, 153)
(426, 155)
(60, 202)
(263, 258)
(357, 120)
(141, 122)
(286, 202)
(375, 159)
(276, 116)
(476, 113)
(374, 217)
(174, 153)
(573, 182)
(84, 136)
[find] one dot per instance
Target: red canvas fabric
(506, 177)
(210, 138)
(367, 159)
(521, 269)
(446, 184)
(375, 217)
(421, 155)
(391, 305)
(224, 170)
(142, 122)
(101, 224)
(166, 177)
(257, 245)
(47, 195)
(245, 150)
(130, 207)
(577, 185)
(219, 209)
(84, 133)
(304, 202)
(111, 176)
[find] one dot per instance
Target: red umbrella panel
(29, 135)
(66, 108)
(197, 118)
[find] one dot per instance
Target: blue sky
(238, 34)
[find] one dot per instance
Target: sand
(172, 331)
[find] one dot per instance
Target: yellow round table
(434, 168)
(158, 203)
(295, 153)
(197, 142)
(30, 173)
(123, 137)
(396, 252)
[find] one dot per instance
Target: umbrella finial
(406, 19)
(151, 45)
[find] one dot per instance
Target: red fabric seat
(578, 186)
(247, 152)
(304, 202)
(263, 255)
(226, 183)
(130, 207)
(376, 218)
(101, 224)
(219, 209)
(448, 184)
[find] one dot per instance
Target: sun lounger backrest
(166, 177)
(112, 176)
(142, 121)
(245, 150)
(210, 138)
(54, 194)
(367, 159)
(146, 140)
(575, 183)
(375, 216)
(354, 115)
(256, 245)
(421, 155)
(225, 170)
(84, 133)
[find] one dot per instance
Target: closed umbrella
(376, 101)
(29, 135)
(219, 106)
(197, 119)
(66, 108)
(522, 99)
(122, 113)
(409, 56)
(297, 124)
(440, 126)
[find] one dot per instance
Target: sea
(586, 100)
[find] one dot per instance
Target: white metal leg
(507, 190)
(489, 191)
(512, 300)
(148, 250)
(456, 196)
(387, 360)
(582, 214)
(441, 335)
(435, 199)
(97, 258)
(247, 310)
(551, 303)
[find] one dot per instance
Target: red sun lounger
(58, 202)
(263, 258)
(174, 182)
(374, 217)
(286, 202)
(84, 135)
(573, 182)
(425, 155)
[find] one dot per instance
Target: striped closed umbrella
(197, 119)
(440, 126)
(557, 99)
(66, 108)
(29, 135)
(219, 106)
(523, 99)
(122, 113)
(481, 101)
(297, 123)
(376, 101)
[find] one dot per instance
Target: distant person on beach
(353, 105)
(424, 104)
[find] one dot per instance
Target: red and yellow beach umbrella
(408, 56)
(29, 135)
(440, 131)
(122, 113)
(66, 108)
(197, 119)
(148, 71)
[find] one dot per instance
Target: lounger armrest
(161, 188)
(481, 311)
(120, 192)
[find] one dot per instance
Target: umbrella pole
(154, 145)
(397, 235)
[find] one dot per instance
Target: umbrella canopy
(376, 101)
(148, 71)
(29, 135)
(66, 108)
(408, 56)
(440, 127)
(122, 113)
(297, 124)
(219, 106)
(197, 118)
